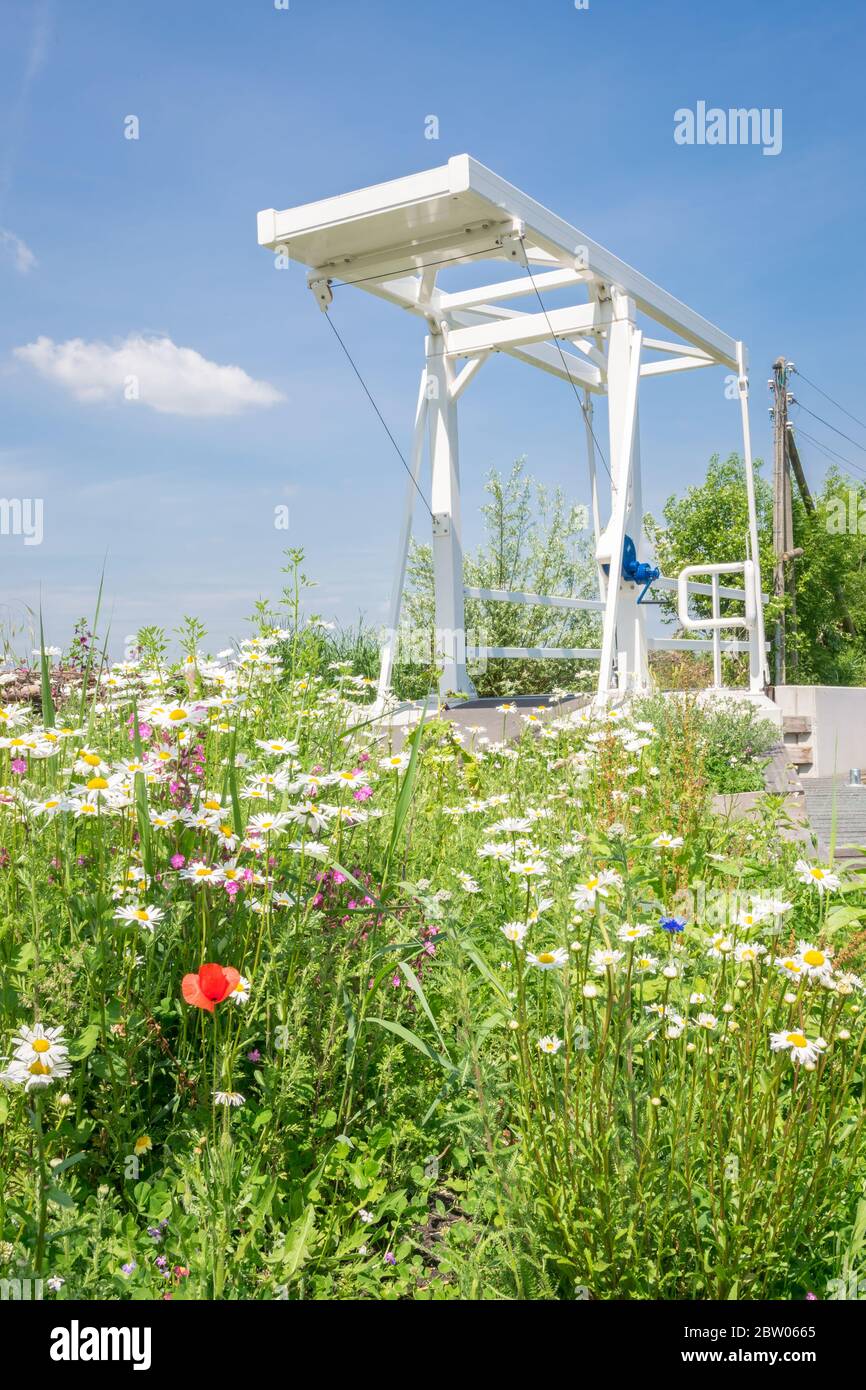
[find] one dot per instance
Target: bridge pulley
(635, 571)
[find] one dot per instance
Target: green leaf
(47, 700)
(404, 796)
(68, 1162)
(478, 960)
(297, 1245)
(412, 1038)
(415, 985)
(62, 1199)
(85, 1043)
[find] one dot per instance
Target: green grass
(388, 1055)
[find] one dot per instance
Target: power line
(583, 408)
(828, 453)
(826, 423)
(828, 398)
(369, 396)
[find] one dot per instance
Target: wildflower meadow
(300, 1004)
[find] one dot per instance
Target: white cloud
(20, 252)
(154, 371)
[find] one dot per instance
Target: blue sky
(242, 106)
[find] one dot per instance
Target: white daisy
(817, 960)
(548, 960)
(801, 1049)
(627, 932)
(605, 959)
(142, 916)
(514, 931)
(822, 879)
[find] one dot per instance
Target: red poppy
(210, 986)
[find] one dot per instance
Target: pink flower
(362, 794)
(177, 861)
(18, 765)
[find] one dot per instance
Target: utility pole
(783, 528)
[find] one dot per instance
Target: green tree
(830, 587)
(535, 542)
(710, 523)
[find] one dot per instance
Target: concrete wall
(838, 715)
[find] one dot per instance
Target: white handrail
(746, 619)
(749, 619)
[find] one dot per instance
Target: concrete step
(796, 724)
(799, 753)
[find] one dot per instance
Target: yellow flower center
(141, 914)
(814, 957)
(38, 1068)
(177, 714)
(41, 1045)
(817, 873)
(92, 759)
(547, 957)
(96, 784)
(798, 1039)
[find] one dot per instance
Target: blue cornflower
(672, 924)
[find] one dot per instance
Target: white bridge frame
(391, 240)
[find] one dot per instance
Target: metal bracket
(324, 294)
(441, 524)
(512, 241)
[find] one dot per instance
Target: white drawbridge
(392, 240)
